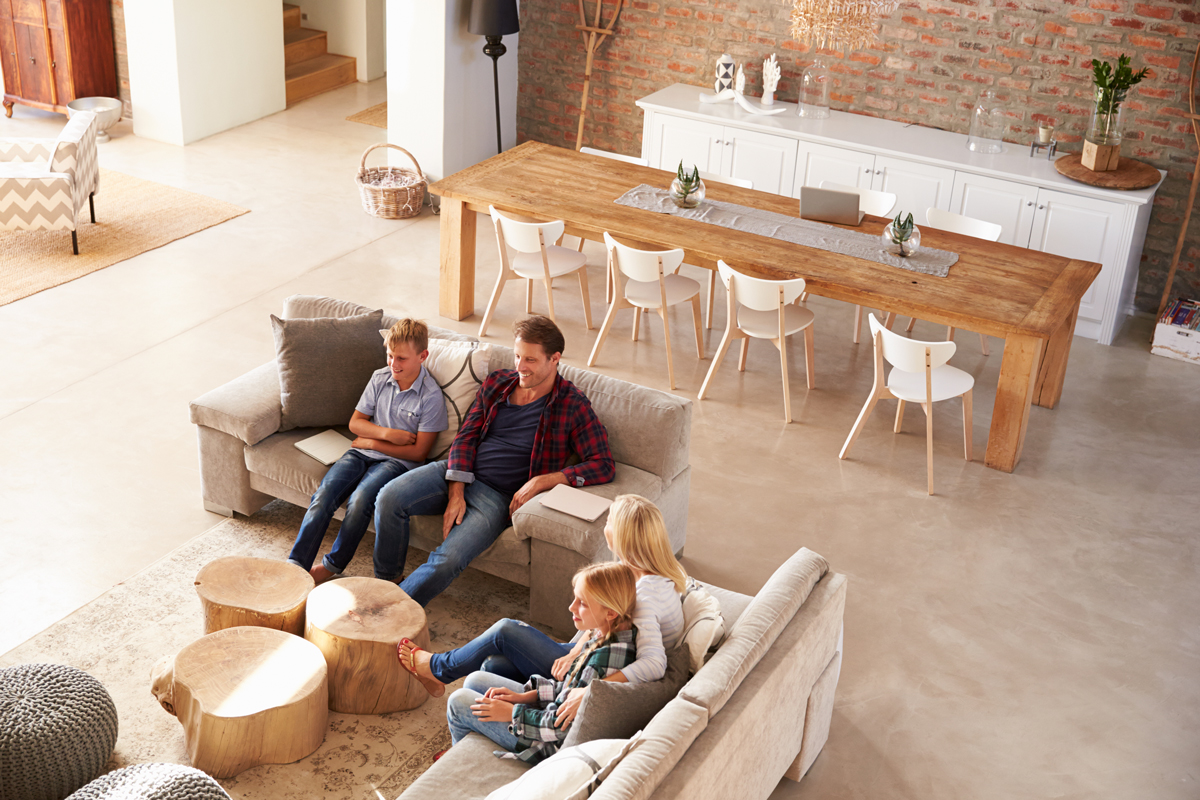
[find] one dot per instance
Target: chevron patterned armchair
(44, 183)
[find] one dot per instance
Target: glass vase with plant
(687, 191)
(901, 236)
(1111, 87)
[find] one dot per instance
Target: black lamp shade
(494, 17)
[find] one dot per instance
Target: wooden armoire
(53, 51)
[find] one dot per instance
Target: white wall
(355, 28)
(441, 105)
(198, 67)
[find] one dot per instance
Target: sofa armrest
(248, 407)
(27, 150)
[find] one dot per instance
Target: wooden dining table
(1025, 297)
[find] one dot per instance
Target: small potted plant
(901, 237)
(1102, 143)
(687, 191)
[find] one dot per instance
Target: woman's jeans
(354, 476)
(510, 649)
(421, 491)
(462, 721)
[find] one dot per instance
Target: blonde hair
(639, 539)
(611, 585)
(408, 330)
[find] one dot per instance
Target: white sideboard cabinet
(923, 167)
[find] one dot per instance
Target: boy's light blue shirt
(418, 409)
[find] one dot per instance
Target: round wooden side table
(356, 623)
(263, 592)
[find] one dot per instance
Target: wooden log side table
(265, 593)
(248, 696)
(356, 623)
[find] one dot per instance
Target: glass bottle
(814, 90)
(987, 124)
(1108, 119)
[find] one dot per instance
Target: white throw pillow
(459, 368)
(703, 625)
(569, 774)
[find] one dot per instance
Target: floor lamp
(492, 19)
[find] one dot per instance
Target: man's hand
(570, 707)
(561, 665)
(490, 709)
(402, 438)
(364, 443)
(456, 509)
(533, 487)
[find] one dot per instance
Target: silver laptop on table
(826, 205)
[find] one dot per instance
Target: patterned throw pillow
(459, 368)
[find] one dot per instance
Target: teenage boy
(397, 419)
(514, 444)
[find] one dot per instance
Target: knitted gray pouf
(58, 727)
(153, 782)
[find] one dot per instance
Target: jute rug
(375, 115)
(132, 216)
(118, 637)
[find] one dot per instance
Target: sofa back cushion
(303, 306)
(659, 748)
(647, 429)
(756, 630)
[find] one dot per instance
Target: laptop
(575, 502)
(826, 205)
(326, 447)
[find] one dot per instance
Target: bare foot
(416, 661)
(320, 574)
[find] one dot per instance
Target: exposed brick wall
(931, 62)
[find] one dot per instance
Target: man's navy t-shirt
(503, 456)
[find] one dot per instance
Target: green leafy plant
(685, 186)
(1111, 87)
(901, 231)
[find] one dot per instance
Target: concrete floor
(1023, 635)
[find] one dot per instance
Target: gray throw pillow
(619, 710)
(324, 365)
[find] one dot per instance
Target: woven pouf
(153, 782)
(58, 727)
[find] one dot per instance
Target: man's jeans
(422, 491)
(462, 721)
(354, 476)
(510, 649)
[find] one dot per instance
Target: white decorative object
(724, 73)
(730, 94)
(771, 73)
(739, 85)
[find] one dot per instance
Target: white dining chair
(647, 279)
(967, 226)
(764, 309)
(538, 257)
(743, 183)
(877, 204)
(919, 374)
(591, 151)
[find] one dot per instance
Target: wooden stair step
(291, 16)
(317, 75)
(301, 44)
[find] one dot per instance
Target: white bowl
(106, 109)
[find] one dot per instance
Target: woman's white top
(659, 620)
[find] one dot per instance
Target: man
(513, 445)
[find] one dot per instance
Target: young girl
(637, 535)
(525, 719)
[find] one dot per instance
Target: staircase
(308, 67)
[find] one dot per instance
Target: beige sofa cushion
(661, 745)
(468, 771)
(247, 407)
(756, 630)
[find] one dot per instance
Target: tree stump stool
(356, 623)
(248, 696)
(240, 590)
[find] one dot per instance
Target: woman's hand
(570, 707)
(490, 709)
(563, 664)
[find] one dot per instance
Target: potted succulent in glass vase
(1102, 143)
(687, 191)
(901, 237)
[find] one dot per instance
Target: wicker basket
(391, 192)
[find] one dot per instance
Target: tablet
(326, 447)
(575, 502)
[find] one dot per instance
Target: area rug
(375, 115)
(132, 216)
(119, 636)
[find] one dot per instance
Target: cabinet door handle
(720, 141)
(1040, 208)
(1029, 203)
(729, 144)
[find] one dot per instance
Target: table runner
(927, 260)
